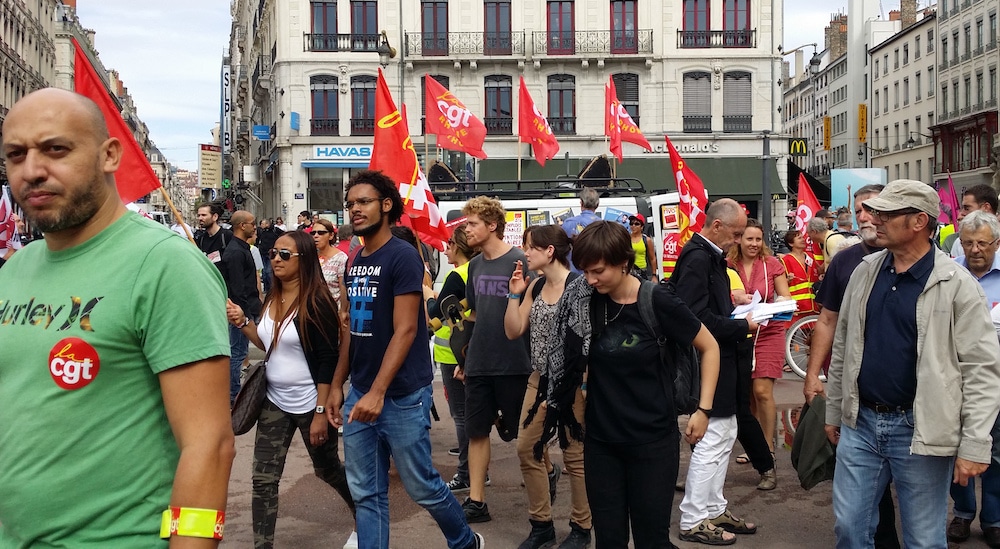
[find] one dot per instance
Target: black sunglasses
(285, 255)
(320, 232)
(637, 223)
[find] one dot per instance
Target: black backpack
(679, 360)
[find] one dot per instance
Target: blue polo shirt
(989, 281)
(889, 363)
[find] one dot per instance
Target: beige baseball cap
(903, 194)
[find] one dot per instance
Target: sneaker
(476, 511)
(352, 542)
(542, 535)
(453, 452)
(768, 480)
(578, 538)
(457, 485)
(554, 481)
(487, 480)
(480, 543)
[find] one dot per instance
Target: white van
(527, 206)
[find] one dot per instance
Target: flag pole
(177, 214)
(519, 161)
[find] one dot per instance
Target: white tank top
(290, 386)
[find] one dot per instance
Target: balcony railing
(992, 45)
(499, 125)
(942, 14)
(698, 123)
(966, 110)
(362, 126)
(943, 66)
(953, 114)
(966, 4)
(563, 125)
(341, 42)
(717, 38)
(966, 56)
(737, 123)
(325, 126)
(990, 103)
(589, 42)
(978, 51)
(464, 43)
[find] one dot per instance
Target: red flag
(135, 177)
(693, 197)
(612, 120)
(455, 126)
(393, 155)
(533, 128)
(8, 228)
(628, 130)
(807, 205)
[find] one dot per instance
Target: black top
(240, 274)
(701, 282)
(266, 238)
(321, 353)
(838, 273)
(453, 285)
(213, 243)
(627, 397)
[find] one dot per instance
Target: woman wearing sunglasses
(299, 320)
(332, 261)
(643, 246)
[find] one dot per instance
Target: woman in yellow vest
(458, 253)
(643, 246)
(801, 271)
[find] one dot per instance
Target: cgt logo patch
(73, 363)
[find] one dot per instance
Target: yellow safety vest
(442, 351)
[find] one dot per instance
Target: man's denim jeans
(867, 459)
(239, 346)
(402, 432)
(965, 496)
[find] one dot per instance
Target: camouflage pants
(275, 430)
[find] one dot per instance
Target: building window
(324, 91)
(363, 105)
(434, 29)
(930, 40)
(364, 25)
(623, 27)
(906, 54)
(979, 90)
(920, 174)
(875, 102)
(497, 28)
(324, 17)
(562, 104)
(885, 94)
(944, 49)
(930, 81)
(916, 80)
(993, 85)
(979, 34)
(967, 40)
(895, 59)
(560, 27)
(499, 109)
(697, 22)
(954, 97)
(993, 29)
(916, 47)
(736, 23)
(875, 72)
(954, 47)
(627, 86)
(697, 102)
(968, 92)
(737, 102)
(944, 99)
(895, 95)
(440, 79)
(885, 64)
(906, 91)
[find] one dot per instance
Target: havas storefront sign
(339, 156)
(687, 148)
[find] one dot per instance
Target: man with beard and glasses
(115, 410)
(387, 410)
(831, 296)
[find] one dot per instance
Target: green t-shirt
(87, 457)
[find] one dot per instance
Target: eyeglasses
(320, 232)
(968, 245)
(361, 202)
(884, 217)
(285, 255)
(636, 223)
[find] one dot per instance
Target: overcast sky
(169, 55)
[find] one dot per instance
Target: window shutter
(737, 98)
(697, 94)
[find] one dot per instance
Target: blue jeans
(239, 345)
(871, 455)
(401, 431)
(965, 496)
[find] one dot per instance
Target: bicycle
(797, 340)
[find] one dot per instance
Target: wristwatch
(320, 409)
(246, 322)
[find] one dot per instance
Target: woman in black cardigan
(302, 311)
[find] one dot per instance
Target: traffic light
(226, 184)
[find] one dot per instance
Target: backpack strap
(648, 315)
(537, 289)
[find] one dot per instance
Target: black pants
(749, 433)
(631, 484)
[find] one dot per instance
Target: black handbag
(250, 399)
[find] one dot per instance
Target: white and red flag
(806, 208)
(8, 224)
(533, 128)
(693, 196)
(135, 178)
(618, 123)
(393, 155)
(455, 126)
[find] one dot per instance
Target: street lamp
(385, 51)
(910, 143)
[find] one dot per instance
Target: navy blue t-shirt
(838, 273)
(372, 284)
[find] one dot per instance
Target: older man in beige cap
(913, 377)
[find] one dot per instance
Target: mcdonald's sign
(827, 130)
(798, 146)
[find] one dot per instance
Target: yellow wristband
(191, 522)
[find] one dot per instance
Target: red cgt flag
(393, 155)
(533, 128)
(627, 130)
(455, 126)
(135, 178)
(693, 197)
(806, 208)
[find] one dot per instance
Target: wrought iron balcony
(992, 45)
(978, 51)
(966, 56)
(943, 66)
(563, 125)
(503, 125)
(325, 126)
(341, 42)
(362, 126)
(432, 44)
(588, 42)
(990, 103)
(737, 123)
(698, 123)
(746, 38)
